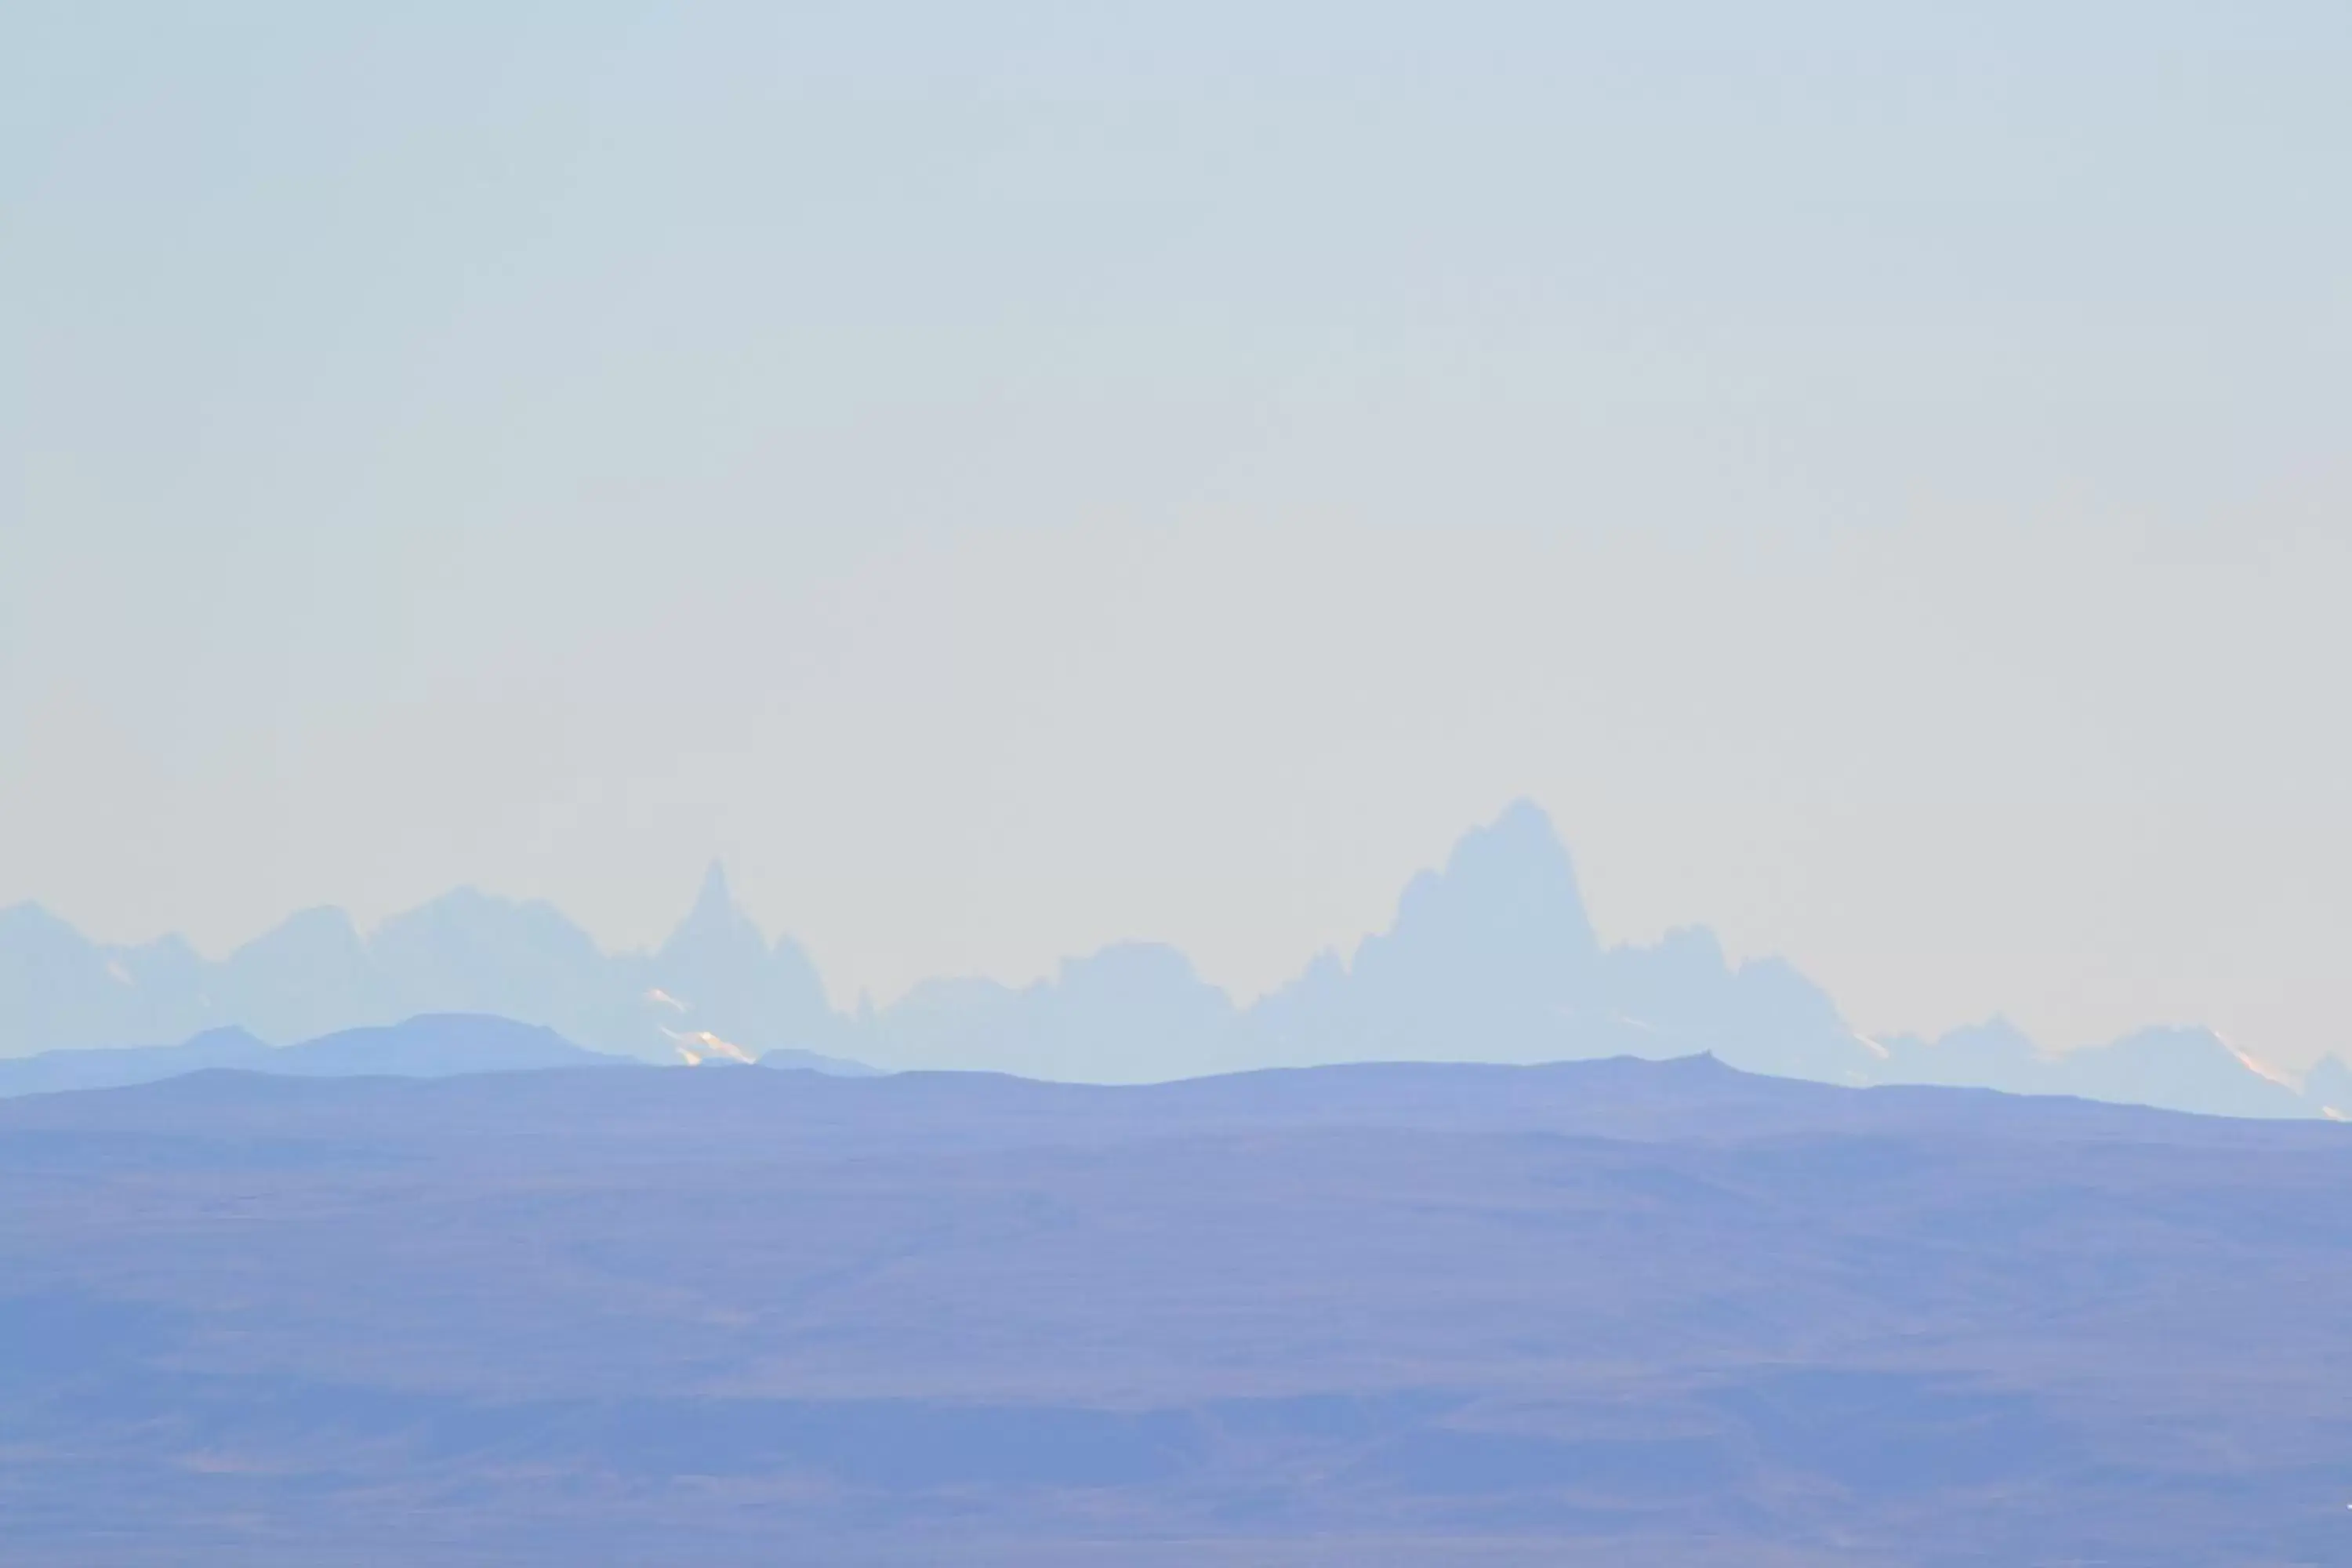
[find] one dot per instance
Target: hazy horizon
(1523, 825)
(1509, 783)
(1006, 484)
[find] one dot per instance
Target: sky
(1010, 479)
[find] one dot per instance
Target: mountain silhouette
(51, 1072)
(2172, 1069)
(719, 976)
(464, 951)
(1493, 958)
(310, 975)
(439, 1045)
(1132, 1012)
(1490, 957)
(436, 1045)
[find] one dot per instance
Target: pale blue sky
(1010, 477)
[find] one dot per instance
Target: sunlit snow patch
(701, 1045)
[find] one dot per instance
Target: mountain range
(431, 1045)
(1490, 958)
(465, 951)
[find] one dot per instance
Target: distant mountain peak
(322, 928)
(31, 918)
(716, 922)
(1491, 955)
(720, 968)
(224, 1035)
(1510, 882)
(1522, 819)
